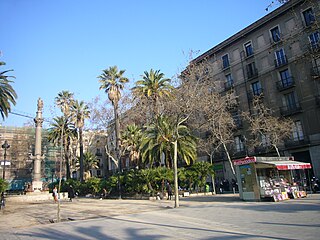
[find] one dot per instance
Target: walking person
(169, 190)
(70, 193)
(55, 194)
(3, 201)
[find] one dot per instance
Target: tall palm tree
(63, 129)
(131, 140)
(7, 94)
(64, 100)
(158, 140)
(112, 82)
(79, 113)
(153, 85)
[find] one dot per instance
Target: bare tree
(266, 128)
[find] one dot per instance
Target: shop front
(271, 178)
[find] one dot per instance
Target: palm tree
(158, 142)
(79, 113)
(153, 86)
(63, 129)
(64, 100)
(7, 94)
(131, 140)
(112, 81)
(90, 161)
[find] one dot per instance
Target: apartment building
(277, 57)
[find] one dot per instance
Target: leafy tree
(131, 140)
(158, 142)
(90, 161)
(7, 93)
(3, 185)
(62, 128)
(203, 170)
(79, 113)
(153, 86)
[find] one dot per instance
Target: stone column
(37, 158)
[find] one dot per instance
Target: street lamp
(5, 146)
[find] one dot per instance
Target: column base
(37, 186)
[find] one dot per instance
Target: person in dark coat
(169, 190)
(71, 193)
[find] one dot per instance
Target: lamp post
(5, 146)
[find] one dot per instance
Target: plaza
(199, 217)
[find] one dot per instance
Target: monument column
(36, 181)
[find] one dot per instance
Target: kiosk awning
(288, 165)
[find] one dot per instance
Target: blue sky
(65, 44)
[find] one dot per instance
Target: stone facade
(278, 56)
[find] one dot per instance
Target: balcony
(252, 73)
(295, 143)
(285, 84)
(239, 154)
(228, 85)
(261, 149)
(279, 62)
(314, 47)
(315, 72)
(291, 109)
(238, 122)
(256, 93)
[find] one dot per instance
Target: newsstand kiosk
(270, 178)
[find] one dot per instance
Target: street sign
(7, 163)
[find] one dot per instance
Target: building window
(225, 61)
(297, 131)
(239, 146)
(290, 101)
(308, 17)
(286, 79)
(256, 88)
(281, 58)
(249, 49)
(229, 81)
(314, 40)
(251, 70)
(275, 34)
(237, 119)
(265, 140)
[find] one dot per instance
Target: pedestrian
(104, 194)
(3, 201)
(169, 190)
(55, 194)
(70, 193)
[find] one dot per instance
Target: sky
(56, 45)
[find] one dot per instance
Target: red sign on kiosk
(245, 160)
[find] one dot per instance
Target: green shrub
(3, 185)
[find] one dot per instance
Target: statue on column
(37, 158)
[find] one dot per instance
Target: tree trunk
(175, 168)
(67, 157)
(81, 154)
(229, 158)
(275, 146)
(212, 177)
(117, 132)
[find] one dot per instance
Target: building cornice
(251, 28)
